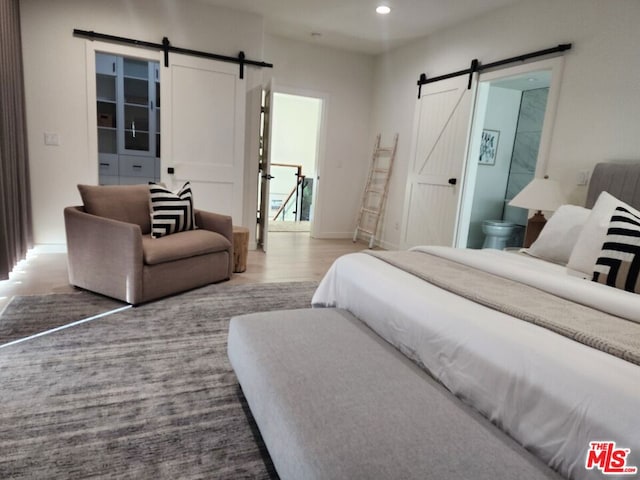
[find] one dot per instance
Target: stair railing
(297, 190)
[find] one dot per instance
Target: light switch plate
(583, 177)
(51, 139)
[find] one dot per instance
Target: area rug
(28, 315)
(145, 393)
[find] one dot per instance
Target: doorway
(294, 148)
(511, 130)
(508, 147)
(128, 119)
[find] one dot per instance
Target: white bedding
(550, 393)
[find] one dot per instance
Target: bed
(553, 394)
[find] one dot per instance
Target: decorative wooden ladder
(376, 189)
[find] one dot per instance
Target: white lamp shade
(540, 194)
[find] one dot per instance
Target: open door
(434, 182)
(264, 169)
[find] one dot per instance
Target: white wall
(491, 180)
(599, 100)
(345, 80)
(55, 79)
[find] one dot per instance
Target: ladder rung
(381, 170)
(384, 150)
(365, 231)
(372, 211)
(374, 190)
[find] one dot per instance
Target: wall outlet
(583, 177)
(51, 139)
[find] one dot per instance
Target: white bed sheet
(550, 393)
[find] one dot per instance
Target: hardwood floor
(291, 256)
(294, 256)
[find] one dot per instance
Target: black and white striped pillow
(171, 212)
(619, 262)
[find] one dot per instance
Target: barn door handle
(268, 177)
(453, 181)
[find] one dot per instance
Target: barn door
(203, 109)
(437, 162)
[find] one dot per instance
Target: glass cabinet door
(106, 103)
(156, 73)
(136, 106)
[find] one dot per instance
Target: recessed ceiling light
(383, 9)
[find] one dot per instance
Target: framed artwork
(489, 147)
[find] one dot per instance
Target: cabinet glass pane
(136, 68)
(136, 118)
(136, 91)
(106, 87)
(107, 140)
(106, 114)
(106, 64)
(136, 140)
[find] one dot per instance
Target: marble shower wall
(525, 148)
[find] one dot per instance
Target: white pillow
(587, 250)
(560, 234)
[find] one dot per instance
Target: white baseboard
(334, 235)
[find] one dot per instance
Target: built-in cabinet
(128, 120)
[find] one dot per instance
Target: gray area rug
(27, 315)
(146, 393)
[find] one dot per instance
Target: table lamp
(541, 194)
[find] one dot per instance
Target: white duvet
(551, 394)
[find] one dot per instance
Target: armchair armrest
(104, 255)
(215, 222)
(218, 223)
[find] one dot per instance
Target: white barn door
(435, 175)
(202, 122)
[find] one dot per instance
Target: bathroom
(511, 135)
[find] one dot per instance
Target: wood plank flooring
(294, 256)
(291, 256)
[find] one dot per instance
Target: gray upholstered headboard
(620, 179)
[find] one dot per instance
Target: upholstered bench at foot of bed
(335, 401)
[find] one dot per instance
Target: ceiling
(354, 25)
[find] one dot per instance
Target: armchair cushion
(182, 245)
(126, 203)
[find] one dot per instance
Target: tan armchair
(111, 252)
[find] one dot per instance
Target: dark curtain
(15, 199)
